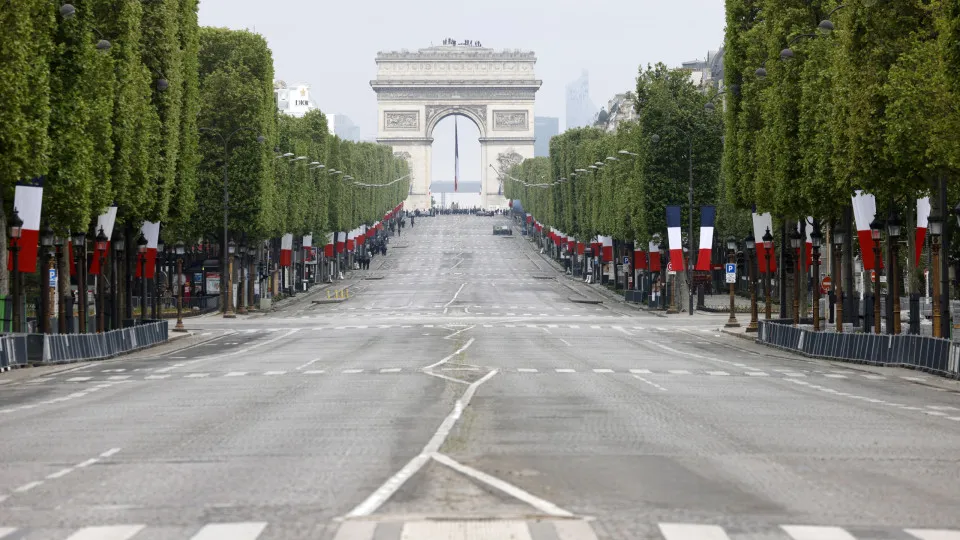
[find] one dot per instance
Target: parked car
(502, 230)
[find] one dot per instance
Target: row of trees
(121, 102)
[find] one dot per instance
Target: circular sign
(826, 284)
(669, 267)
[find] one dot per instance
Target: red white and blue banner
(639, 259)
(674, 239)
(762, 223)
(864, 210)
(923, 219)
(654, 251)
(150, 231)
(341, 242)
(28, 200)
(808, 243)
(286, 250)
(328, 247)
(708, 218)
(105, 222)
(607, 245)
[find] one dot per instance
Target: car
(502, 230)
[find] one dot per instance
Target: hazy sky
(332, 45)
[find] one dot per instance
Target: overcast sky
(332, 46)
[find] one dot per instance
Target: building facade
(580, 108)
(544, 129)
(294, 100)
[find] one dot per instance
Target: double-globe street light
(179, 249)
(751, 244)
(15, 232)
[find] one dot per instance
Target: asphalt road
(464, 395)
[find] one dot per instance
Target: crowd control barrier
(18, 350)
(933, 355)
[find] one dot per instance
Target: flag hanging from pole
(456, 155)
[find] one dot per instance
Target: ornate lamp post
(731, 257)
(46, 308)
(15, 231)
(816, 239)
(876, 226)
(119, 244)
(751, 244)
(179, 251)
(80, 253)
(142, 255)
(228, 312)
(100, 251)
(663, 275)
(893, 229)
(241, 308)
(838, 238)
(157, 284)
(795, 242)
(767, 253)
(935, 222)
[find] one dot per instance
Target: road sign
(826, 284)
(626, 260)
(53, 277)
(731, 272)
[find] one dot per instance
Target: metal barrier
(18, 350)
(933, 355)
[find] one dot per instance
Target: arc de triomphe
(494, 89)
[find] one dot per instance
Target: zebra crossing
(448, 326)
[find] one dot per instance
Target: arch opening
(456, 133)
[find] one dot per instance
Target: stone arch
(435, 113)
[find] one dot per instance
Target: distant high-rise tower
(580, 109)
(544, 128)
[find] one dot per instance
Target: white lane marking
(87, 463)
(4, 531)
(197, 376)
(720, 373)
(643, 371)
(384, 492)
(651, 383)
(356, 530)
(109, 452)
(565, 370)
(28, 486)
(236, 374)
(352, 371)
(678, 372)
(602, 370)
(390, 370)
(804, 532)
(275, 373)
(566, 342)
(835, 375)
(574, 530)
(314, 371)
(78, 379)
(156, 377)
(933, 534)
(512, 529)
(452, 300)
(442, 376)
(60, 473)
(682, 531)
(231, 531)
(447, 358)
(526, 370)
(756, 374)
(112, 532)
(458, 331)
(515, 492)
(308, 364)
(793, 374)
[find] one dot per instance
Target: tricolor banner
(864, 210)
(708, 218)
(654, 251)
(607, 243)
(808, 245)
(341, 241)
(150, 231)
(328, 247)
(923, 219)
(105, 222)
(286, 250)
(351, 236)
(674, 238)
(639, 259)
(27, 200)
(761, 224)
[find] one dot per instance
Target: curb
(583, 300)
(329, 301)
(741, 335)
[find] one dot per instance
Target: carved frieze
(510, 121)
(479, 112)
(401, 120)
(455, 93)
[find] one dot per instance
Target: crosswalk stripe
(602, 370)
(112, 532)
(236, 374)
(356, 530)
(230, 531)
(804, 532)
(526, 370)
(683, 531)
(5, 531)
(933, 534)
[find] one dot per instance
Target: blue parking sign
(731, 268)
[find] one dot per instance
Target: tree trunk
(63, 281)
(910, 268)
(4, 275)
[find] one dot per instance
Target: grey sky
(332, 45)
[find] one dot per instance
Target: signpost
(626, 260)
(826, 284)
(731, 272)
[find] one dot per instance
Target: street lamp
(796, 240)
(241, 307)
(751, 244)
(157, 285)
(46, 307)
(15, 231)
(80, 253)
(178, 249)
(876, 227)
(227, 281)
(816, 240)
(663, 281)
(935, 222)
(839, 236)
(767, 251)
(893, 229)
(100, 251)
(142, 254)
(119, 244)
(731, 257)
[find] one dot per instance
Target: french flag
(807, 229)
(286, 250)
(923, 217)
(341, 241)
(350, 239)
(581, 248)
(654, 251)
(674, 238)
(639, 259)
(150, 231)
(328, 248)
(708, 218)
(761, 224)
(27, 200)
(607, 242)
(864, 210)
(105, 222)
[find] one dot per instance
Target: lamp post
(795, 242)
(893, 230)
(100, 251)
(935, 222)
(119, 243)
(228, 312)
(731, 257)
(142, 255)
(876, 226)
(839, 236)
(157, 285)
(226, 197)
(241, 308)
(816, 239)
(46, 310)
(663, 275)
(751, 244)
(16, 229)
(767, 251)
(179, 251)
(80, 253)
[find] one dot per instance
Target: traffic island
(584, 300)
